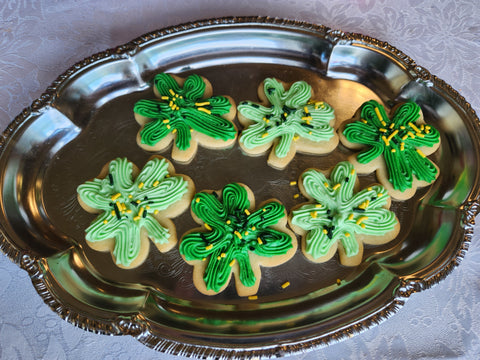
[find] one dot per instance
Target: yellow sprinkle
(339, 281)
(377, 111)
(253, 228)
(138, 201)
(130, 196)
(363, 226)
(293, 183)
(364, 121)
(336, 186)
(296, 196)
(253, 297)
(369, 188)
(420, 153)
(113, 213)
(246, 233)
(310, 133)
(164, 98)
(124, 207)
(147, 207)
(412, 125)
(296, 137)
(171, 92)
(264, 135)
(392, 125)
(364, 205)
(204, 110)
(208, 227)
(404, 137)
(325, 184)
(168, 126)
(313, 214)
(307, 118)
(351, 217)
(361, 219)
(264, 209)
(347, 234)
(116, 196)
(229, 222)
(402, 146)
(411, 134)
(166, 121)
(247, 212)
(325, 231)
(204, 259)
(140, 185)
(238, 234)
(171, 105)
(209, 247)
(130, 211)
(232, 262)
(223, 255)
(420, 135)
(105, 222)
(136, 218)
(219, 258)
(318, 206)
(197, 200)
(202, 103)
(305, 109)
(285, 114)
(174, 131)
(385, 140)
(156, 212)
(352, 172)
(380, 194)
(285, 284)
(383, 130)
(155, 184)
(167, 176)
(392, 135)
(393, 150)
(119, 206)
(191, 130)
(259, 240)
(140, 212)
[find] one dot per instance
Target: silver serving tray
(84, 119)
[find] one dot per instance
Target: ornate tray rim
(135, 325)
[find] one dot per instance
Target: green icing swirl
(181, 109)
(233, 232)
(397, 139)
(337, 214)
(291, 116)
(127, 205)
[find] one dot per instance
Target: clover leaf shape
(289, 121)
(128, 205)
(337, 217)
(403, 141)
(179, 110)
(235, 239)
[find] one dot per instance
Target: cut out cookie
(337, 217)
(396, 148)
(288, 120)
(134, 207)
(235, 239)
(186, 113)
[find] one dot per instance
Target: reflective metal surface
(85, 119)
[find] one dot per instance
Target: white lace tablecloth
(40, 39)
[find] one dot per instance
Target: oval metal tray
(85, 119)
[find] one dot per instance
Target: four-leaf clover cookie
(340, 218)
